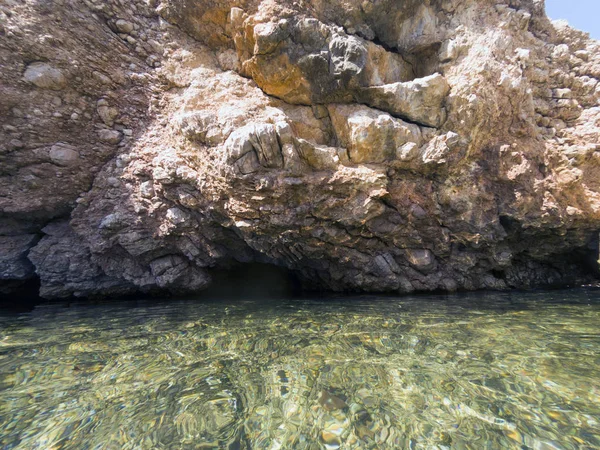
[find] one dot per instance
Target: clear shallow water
(472, 372)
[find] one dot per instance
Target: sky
(581, 14)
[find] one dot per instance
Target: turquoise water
(479, 371)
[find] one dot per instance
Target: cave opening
(20, 296)
(589, 256)
(253, 281)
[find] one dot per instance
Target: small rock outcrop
(364, 146)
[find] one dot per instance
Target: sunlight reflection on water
(492, 370)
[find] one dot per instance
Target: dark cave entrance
(589, 256)
(20, 296)
(581, 263)
(253, 281)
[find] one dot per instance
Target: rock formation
(389, 146)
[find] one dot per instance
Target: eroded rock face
(301, 60)
(375, 147)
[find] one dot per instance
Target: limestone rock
(124, 26)
(195, 126)
(305, 61)
(63, 154)
(107, 114)
(174, 271)
(421, 259)
(371, 135)
(419, 101)
(14, 264)
(44, 76)
(65, 267)
(321, 157)
(110, 136)
(253, 147)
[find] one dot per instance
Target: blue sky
(581, 14)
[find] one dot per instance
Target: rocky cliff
(373, 145)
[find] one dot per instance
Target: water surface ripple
(479, 371)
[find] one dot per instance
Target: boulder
(63, 154)
(45, 76)
(420, 101)
(371, 135)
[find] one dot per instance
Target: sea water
(478, 371)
